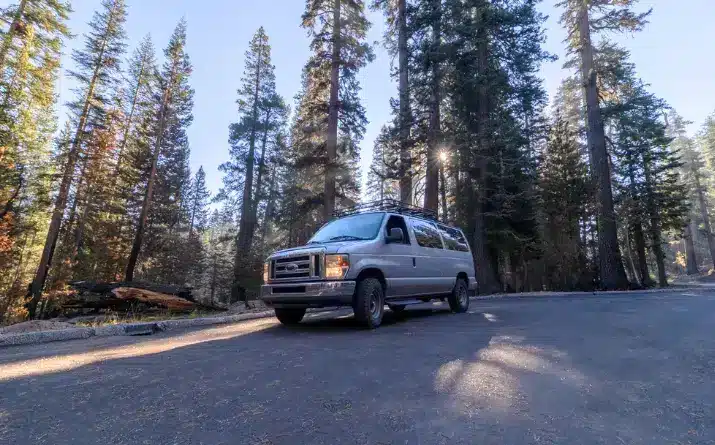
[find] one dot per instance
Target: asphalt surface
(626, 369)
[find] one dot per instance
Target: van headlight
(336, 266)
(266, 267)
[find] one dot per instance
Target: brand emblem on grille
(292, 267)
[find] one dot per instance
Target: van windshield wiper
(346, 238)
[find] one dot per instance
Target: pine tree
(649, 169)
(706, 140)
(491, 116)
(137, 91)
(97, 67)
(174, 103)
(29, 66)
(45, 20)
(261, 113)
(397, 37)
(568, 104)
(695, 175)
(219, 255)
(337, 29)
(565, 191)
(583, 20)
(428, 28)
(27, 122)
(91, 248)
(380, 180)
(199, 201)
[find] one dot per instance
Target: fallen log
(134, 297)
(151, 298)
(105, 288)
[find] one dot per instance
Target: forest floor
(706, 278)
(113, 318)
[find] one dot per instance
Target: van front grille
(295, 268)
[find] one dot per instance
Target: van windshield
(351, 228)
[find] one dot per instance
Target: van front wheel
(369, 304)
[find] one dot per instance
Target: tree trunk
(433, 137)
(332, 137)
(244, 238)
(658, 253)
(7, 207)
(38, 283)
(443, 191)
(193, 218)
(691, 262)
(639, 240)
(214, 274)
(705, 217)
(630, 264)
(92, 156)
(485, 264)
(405, 108)
(655, 231)
(149, 193)
(269, 208)
(259, 180)
(612, 273)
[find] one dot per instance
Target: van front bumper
(312, 294)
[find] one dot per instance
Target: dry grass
(115, 318)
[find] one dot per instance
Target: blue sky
(673, 54)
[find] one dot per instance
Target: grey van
(376, 254)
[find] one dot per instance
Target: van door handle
(414, 262)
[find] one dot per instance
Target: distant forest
(599, 188)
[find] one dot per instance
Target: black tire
(290, 316)
(369, 303)
(397, 308)
(459, 298)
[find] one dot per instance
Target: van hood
(327, 248)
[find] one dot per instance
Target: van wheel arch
(373, 272)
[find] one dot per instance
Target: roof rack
(387, 205)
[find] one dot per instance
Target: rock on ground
(35, 326)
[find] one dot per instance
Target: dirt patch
(35, 326)
(240, 308)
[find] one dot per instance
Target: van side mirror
(396, 236)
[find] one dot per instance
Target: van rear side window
(426, 234)
(453, 239)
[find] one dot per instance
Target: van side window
(426, 234)
(398, 222)
(453, 239)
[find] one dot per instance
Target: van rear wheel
(290, 316)
(459, 298)
(369, 306)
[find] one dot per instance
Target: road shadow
(344, 320)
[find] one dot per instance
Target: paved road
(627, 369)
